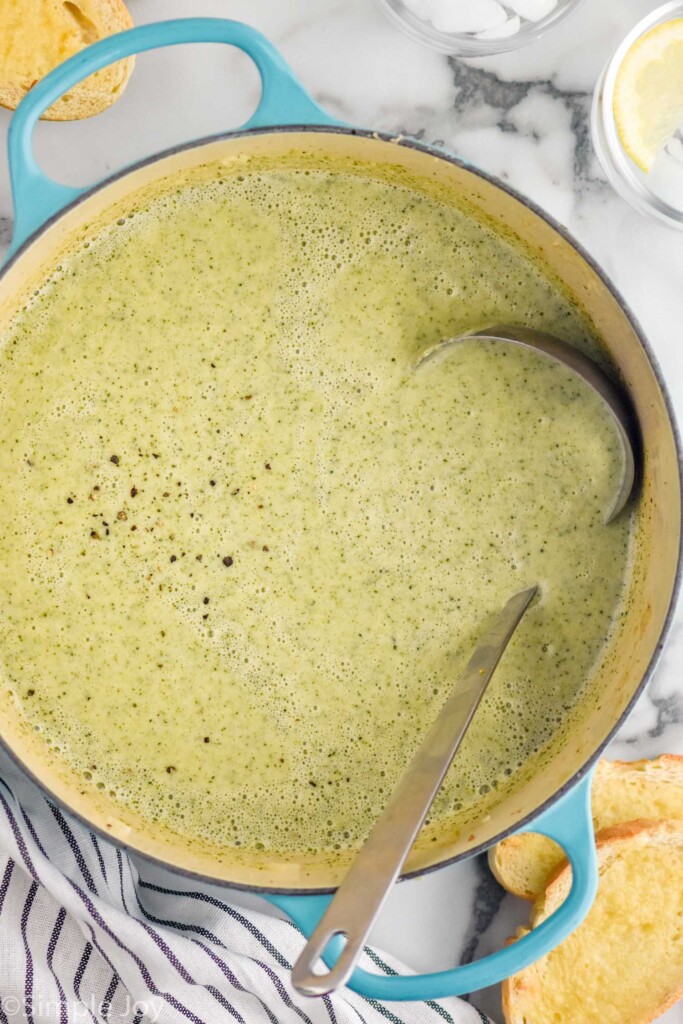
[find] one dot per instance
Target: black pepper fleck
(228, 561)
(115, 460)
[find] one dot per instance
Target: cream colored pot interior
(627, 659)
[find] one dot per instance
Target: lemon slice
(648, 92)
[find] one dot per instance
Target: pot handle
(37, 197)
(569, 823)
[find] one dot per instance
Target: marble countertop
(523, 117)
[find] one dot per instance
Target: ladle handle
(361, 895)
(568, 822)
(37, 197)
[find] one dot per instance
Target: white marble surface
(521, 116)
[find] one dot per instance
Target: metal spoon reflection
(584, 368)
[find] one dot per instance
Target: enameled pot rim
(432, 151)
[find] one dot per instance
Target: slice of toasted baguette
(624, 964)
(36, 35)
(622, 791)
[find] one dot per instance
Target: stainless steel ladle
(584, 368)
(362, 893)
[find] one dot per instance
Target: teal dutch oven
(554, 800)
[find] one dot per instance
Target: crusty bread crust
(622, 790)
(36, 35)
(523, 994)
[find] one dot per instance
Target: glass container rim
(467, 44)
(616, 164)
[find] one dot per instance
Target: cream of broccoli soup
(245, 550)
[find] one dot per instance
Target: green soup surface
(245, 548)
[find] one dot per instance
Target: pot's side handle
(569, 823)
(37, 197)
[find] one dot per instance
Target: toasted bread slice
(624, 964)
(36, 35)
(622, 791)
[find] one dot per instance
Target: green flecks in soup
(245, 550)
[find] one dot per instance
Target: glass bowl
(473, 44)
(658, 193)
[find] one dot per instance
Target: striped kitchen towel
(87, 935)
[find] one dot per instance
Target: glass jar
(659, 192)
(474, 44)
